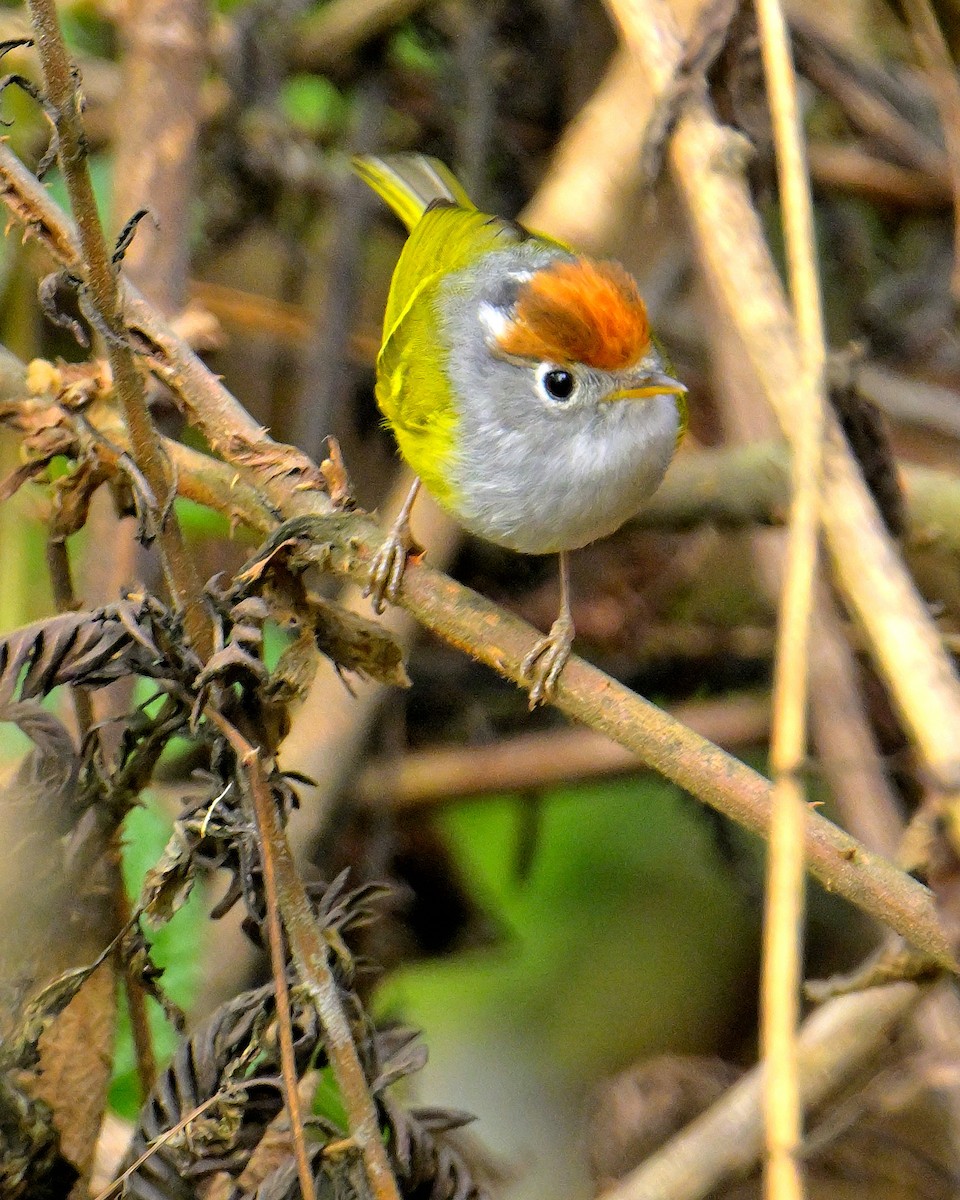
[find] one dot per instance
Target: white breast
(552, 485)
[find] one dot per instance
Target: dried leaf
(297, 665)
(75, 1066)
(356, 643)
(216, 1055)
(334, 472)
(169, 881)
(351, 641)
(274, 461)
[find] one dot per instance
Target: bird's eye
(557, 383)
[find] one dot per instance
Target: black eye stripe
(558, 384)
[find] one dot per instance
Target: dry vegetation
(190, 456)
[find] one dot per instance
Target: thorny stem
(784, 906)
(310, 952)
(249, 763)
(60, 84)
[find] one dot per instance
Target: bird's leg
(542, 666)
(389, 562)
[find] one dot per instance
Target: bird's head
(576, 330)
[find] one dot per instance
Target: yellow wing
(448, 234)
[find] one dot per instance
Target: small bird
(521, 382)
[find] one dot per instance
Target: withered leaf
(353, 642)
(169, 881)
(356, 643)
(274, 460)
(73, 494)
(297, 665)
(43, 1010)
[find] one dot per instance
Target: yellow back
(447, 235)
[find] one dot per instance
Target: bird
(521, 382)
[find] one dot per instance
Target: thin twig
(248, 762)
(727, 1139)
(310, 953)
(143, 1051)
(784, 907)
(61, 90)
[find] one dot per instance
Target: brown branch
(530, 762)
(707, 161)
(726, 1140)
(268, 834)
(61, 90)
(164, 57)
(740, 486)
(848, 168)
(345, 544)
(310, 953)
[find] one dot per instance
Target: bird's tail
(409, 183)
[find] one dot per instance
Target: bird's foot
(389, 563)
(542, 666)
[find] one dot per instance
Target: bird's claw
(386, 570)
(542, 666)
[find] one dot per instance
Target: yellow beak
(654, 383)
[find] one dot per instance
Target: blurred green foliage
(631, 934)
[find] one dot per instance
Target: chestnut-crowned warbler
(521, 383)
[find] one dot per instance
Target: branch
(310, 953)
(726, 1140)
(707, 161)
(98, 271)
(483, 630)
(344, 543)
(784, 896)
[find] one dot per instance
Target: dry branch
(782, 967)
(100, 278)
(708, 161)
(532, 761)
(726, 1140)
(311, 952)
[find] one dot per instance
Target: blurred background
(558, 917)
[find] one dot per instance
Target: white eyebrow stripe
(494, 320)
